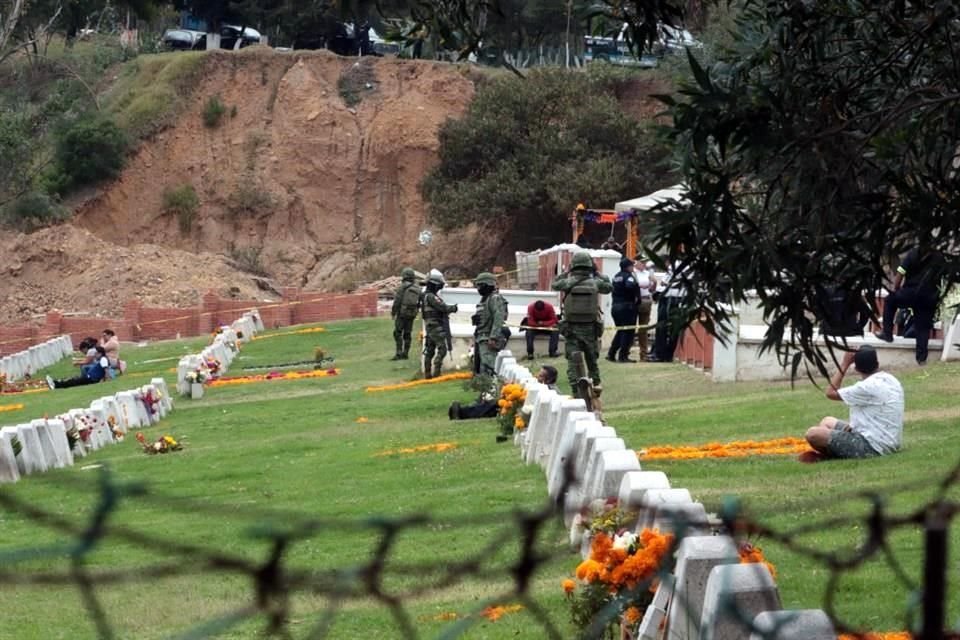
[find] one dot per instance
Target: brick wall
(161, 323)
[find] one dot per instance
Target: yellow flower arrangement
(290, 333)
(750, 554)
(621, 571)
(496, 612)
(463, 375)
(439, 447)
(888, 635)
(289, 375)
(740, 449)
(10, 407)
(512, 397)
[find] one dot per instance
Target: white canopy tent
(647, 202)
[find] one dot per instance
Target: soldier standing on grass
(581, 326)
(406, 303)
(489, 322)
(435, 325)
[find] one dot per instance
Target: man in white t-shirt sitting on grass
(875, 427)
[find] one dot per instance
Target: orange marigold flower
(569, 585)
(632, 615)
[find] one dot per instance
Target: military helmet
(408, 274)
(436, 277)
(581, 260)
(485, 278)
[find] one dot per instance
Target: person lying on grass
(89, 374)
(875, 427)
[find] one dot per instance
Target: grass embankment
(149, 90)
(280, 454)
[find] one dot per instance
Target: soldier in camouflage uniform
(406, 303)
(582, 323)
(489, 322)
(435, 325)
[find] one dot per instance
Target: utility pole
(567, 43)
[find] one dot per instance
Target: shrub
(358, 78)
(33, 210)
(91, 149)
(213, 112)
(183, 202)
(248, 259)
(248, 199)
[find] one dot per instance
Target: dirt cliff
(311, 179)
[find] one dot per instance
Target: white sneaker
(50, 383)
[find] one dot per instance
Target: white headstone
(656, 611)
(31, 458)
(636, 483)
(9, 472)
(696, 558)
(53, 439)
(609, 472)
(577, 422)
(736, 592)
(798, 624)
(539, 417)
(653, 499)
(683, 519)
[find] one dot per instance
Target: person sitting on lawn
(89, 374)
(875, 427)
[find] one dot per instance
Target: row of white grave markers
(710, 594)
(223, 349)
(44, 444)
(27, 362)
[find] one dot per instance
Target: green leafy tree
(822, 142)
(91, 149)
(528, 151)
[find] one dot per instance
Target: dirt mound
(70, 269)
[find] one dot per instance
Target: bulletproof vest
(410, 300)
(484, 317)
(429, 311)
(582, 300)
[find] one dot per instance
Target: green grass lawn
(292, 456)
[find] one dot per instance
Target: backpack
(582, 301)
(410, 300)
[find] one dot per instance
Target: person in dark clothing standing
(916, 286)
(667, 335)
(624, 308)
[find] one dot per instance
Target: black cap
(865, 360)
(626, 262)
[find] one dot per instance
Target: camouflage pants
(434, 349)
(582, 338)
(402, 334)
(488, 357)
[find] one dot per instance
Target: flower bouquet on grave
(114, 429)
(512, 396)
(615, 584)
(163, 444)
(212, 366)
(198, 376)
(602, 516)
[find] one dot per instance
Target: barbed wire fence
(274, 581)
